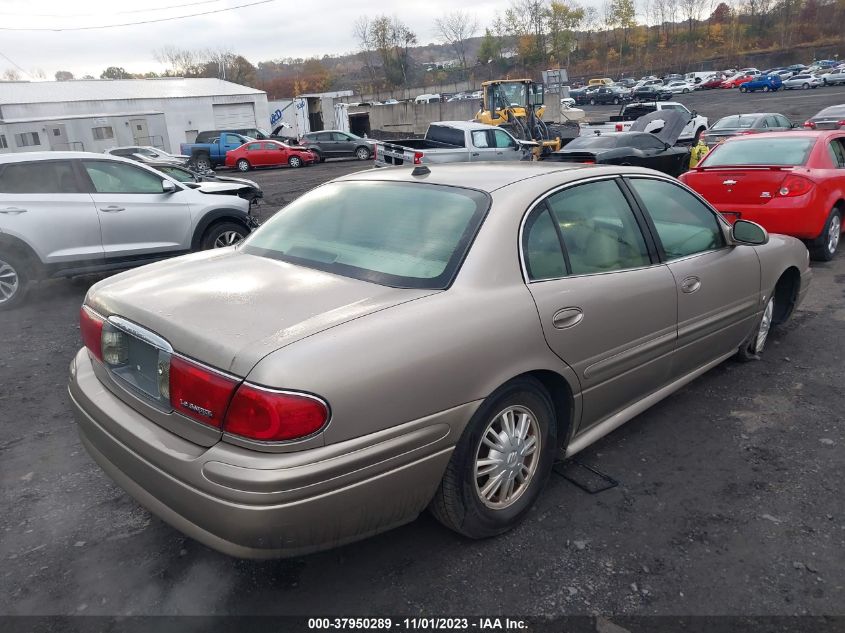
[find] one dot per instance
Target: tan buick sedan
(396, 339)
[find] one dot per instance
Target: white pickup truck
(633, 111)
(453, 142)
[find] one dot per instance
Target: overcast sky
(281, 28)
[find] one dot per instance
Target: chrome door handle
(12, 210)
(567, 318)
(112, 209)
(690, 285)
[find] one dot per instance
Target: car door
(718, 285)
(327, 144)
(137, 217)
(482, 146)
(48, 206)
(506, 146)
(274, 153)
(607, 307)
(345, 144)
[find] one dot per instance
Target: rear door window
(53, 176)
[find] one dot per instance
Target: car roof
(831, 110)
(488, 177)
(797, 132)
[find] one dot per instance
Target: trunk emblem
(766, 194)
(729, 182)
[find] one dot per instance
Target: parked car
(146, 151)
(600, 81)
(268, 154)
(830, 118)
(667, 79)
(609, 94)
(630, 113)
(803, 81)
(714, 81)
(427, 98)
(833, 77)
(211, 182)
(651, 92)
(337, 144)
(206, 156)
(70, 213)
(766, 83)
(259, 431)
(453, 142)
(582, 95)
(743, 124)
(679, 87)
(641, 149)
(736, 81)
(789, 183)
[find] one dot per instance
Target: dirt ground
(729, 500)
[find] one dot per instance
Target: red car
(736, 81)
(791, 183)
(268, 154)
(715, 82)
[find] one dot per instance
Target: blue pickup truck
(205, 156)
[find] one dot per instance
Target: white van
(697, 77)
(434, 98)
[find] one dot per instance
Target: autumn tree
(392, 40)
(490, 49)
(563, 20)
(455, 29)
(115, 72)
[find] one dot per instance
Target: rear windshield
(732, 122)
(832, 111)
(592, 141)
(406, 235)
(761, 151)
(444, 134)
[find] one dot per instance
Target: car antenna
(421, 170)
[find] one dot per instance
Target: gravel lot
(729, 499)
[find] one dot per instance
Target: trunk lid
(724, 186)
(228, 309)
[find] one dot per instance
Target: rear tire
(592, 102)
(202, 162)
(743, 89)
(223, 234)
(828, 242)
(515, 418)
(14, 281)
(242, 165)
(765, 88)
(362, 153)
(805, 86)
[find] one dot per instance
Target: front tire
(14, 281)
(362, 153)
(242, 165)
(223, 234)
(295, 162)
(592, 102)
(805, 86)
(828, 241)
(753, 346)
(765, 88)
(743, 89)
(501, 462)
(685, 90)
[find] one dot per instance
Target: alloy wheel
(294, 161)
(9, 282)
(833, 233)
(227, 238)
(363, 153)
(243, 165)
(507, 457)
(765, 326)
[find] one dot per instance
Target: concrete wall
(410, 93)
(181, 114)
(414, 118)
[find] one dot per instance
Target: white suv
(70, 213)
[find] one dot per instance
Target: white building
(94, 115)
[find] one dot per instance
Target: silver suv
(71, 213)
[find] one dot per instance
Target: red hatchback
(736, 81)
(268, 154)
(789, 182)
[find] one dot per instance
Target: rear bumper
(264, 505)
(803, 219)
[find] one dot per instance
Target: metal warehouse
(94, 115)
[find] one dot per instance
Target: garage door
(233, 116)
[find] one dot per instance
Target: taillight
(795, 186)
(418, 158)
(198, 392)
(91, 328)
(840, 123)
(619, 127)
(267, 415)
(810, 124)
(588, 162)
(375, 152)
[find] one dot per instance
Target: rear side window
(254, 147)
(55, 176)
(406, 235)
(836, 149)
(543, 254)
(114, 177)
(683, 223)
(445, 134)
(783, 150)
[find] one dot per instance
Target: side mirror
(168, 187)
(745, 232)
